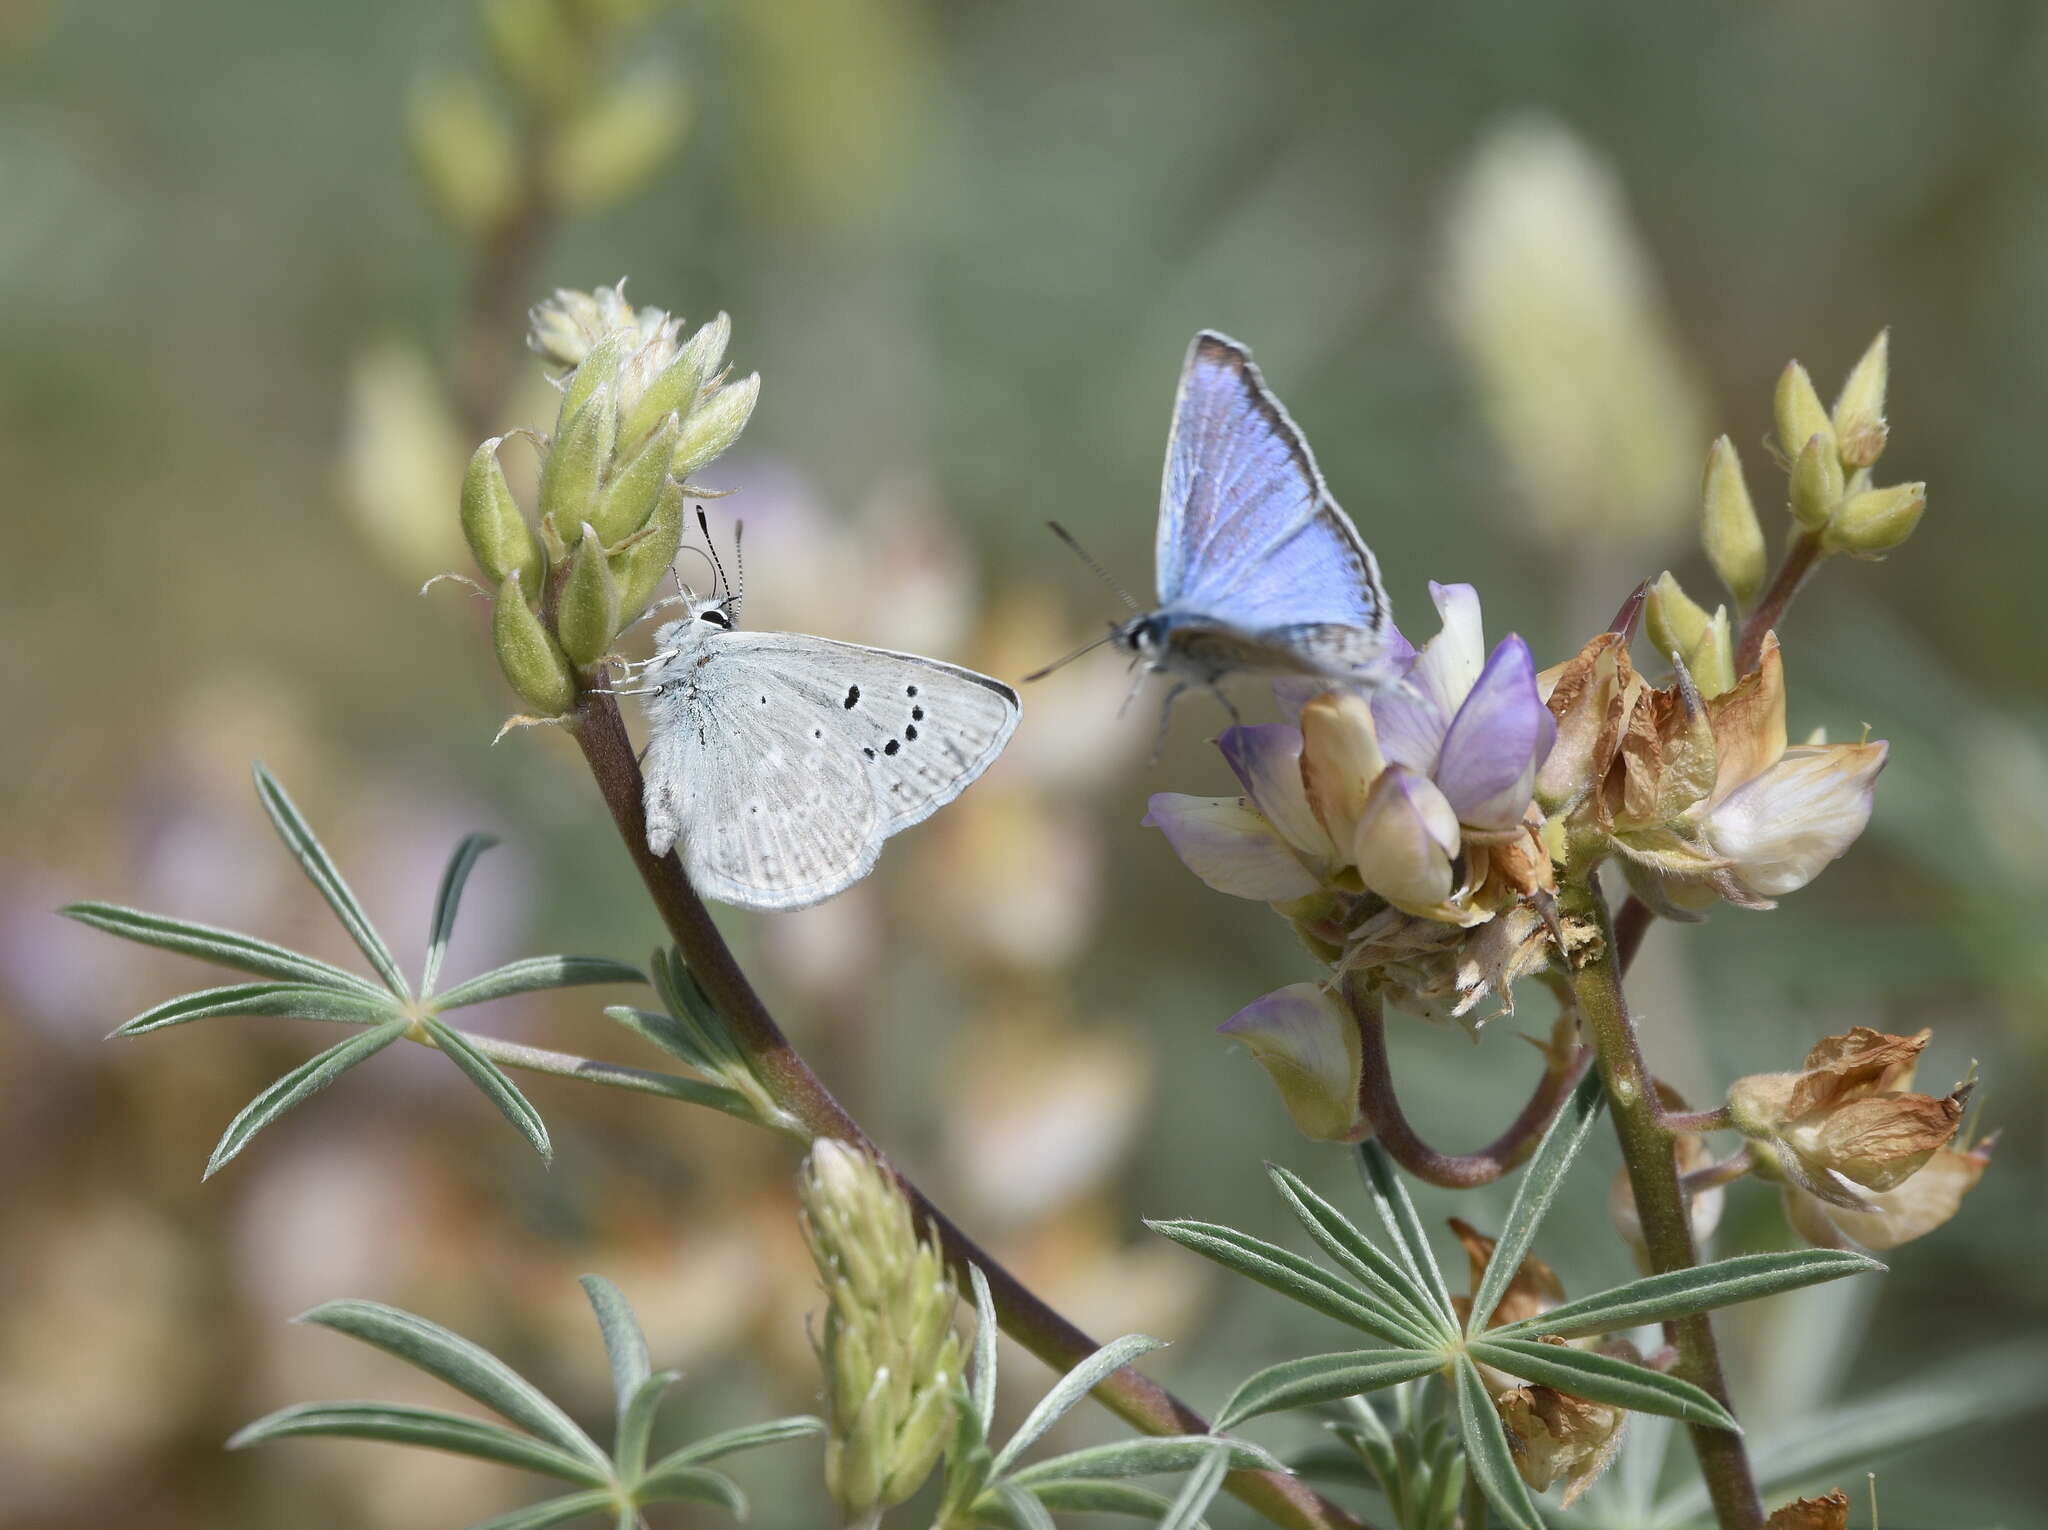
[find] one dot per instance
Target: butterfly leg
(1166, 718)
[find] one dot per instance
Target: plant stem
(1801, 558)
(1647, 1149)
(1379, 1104)
(1023, 1315)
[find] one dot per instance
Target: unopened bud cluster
(643, 409)
(1830, 454)
(892, 1358)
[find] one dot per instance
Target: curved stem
(1023, 1315)
(1647, 1149)
(1380, 1106)
(1801, 559)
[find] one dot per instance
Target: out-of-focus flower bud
(715, 425)
(1827, 1513)
(1874, 522)
(1859, 410)
(1703, 1207)
(465, 154)
(629, 491)
(491, 521)
(1309, 1046)
(587, 612)
(890, 1354)
(609, 149)
(1816, 481)
(1729, 529)
(537, 50)
(644, 561)
(1799, 413)
(533, 662)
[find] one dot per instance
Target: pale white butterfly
(778, 762)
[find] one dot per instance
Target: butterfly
(1259, 570)
(778, 763)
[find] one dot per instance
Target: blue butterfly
(1259, 570)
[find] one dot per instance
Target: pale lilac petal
(1780, 829)
(1310, 1048)
(1266, 759)
(1414, 713)
(1226, 844)
(1406, 838)
(1487, 767)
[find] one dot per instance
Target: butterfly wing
(1249, 537)
(781, 762)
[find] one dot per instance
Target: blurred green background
(1511, 265)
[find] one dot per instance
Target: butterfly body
(779, 763)
(1260, 571)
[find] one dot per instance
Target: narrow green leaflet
(1291, 1275)
(664, 1032)
(1339, 1238)
(1397, 1212)
(307, 1079)
(624, 1344)
(1488, 1456)
(1023, 1511)
(1100, 1498)
(636, 1423)
(1196, 1494)
(496, 1084)
(1561, 1142)
(432, 1428)
(447, 900)
(319, 866)
(1659, 1298)
(1324, 1378)
(292, 1001)
(224, 948)
(692, 1484)
(1069, 1390)
(1146, 1458)
(555, 1511)
(536, 972)
(1604, 1378)
(982, 1394)
(746, 1437)
(467, 1367)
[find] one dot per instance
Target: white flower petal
(1780, 829)
(1406, 837)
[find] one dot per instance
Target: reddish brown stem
(1801, 558)
(1380, 1106)
(601, 734)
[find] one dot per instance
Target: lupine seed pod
(1799, 413)
(645, 562)
(628, 495)
(1816, 482)
(1729, 529)
(587, 612)
(716, 425)
(1874, 522)
(1859, 411)
(493, 524)
(533, 662)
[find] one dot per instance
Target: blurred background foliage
(1512, 266)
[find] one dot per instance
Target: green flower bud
(1859, 412)
(528, 653)
(1872, 523)
(578, 456)
(889, 1352)
(628, 495)
(587, 612)
(492, 522)
(1799, 412)
(1816, 482)
(608, 150)
(536, 49)
(715, 425)
(1712, 659)
(676, 389)
(646, 557)
(1729, 530)
(465, 154)
(1674, 620)
(599, 366)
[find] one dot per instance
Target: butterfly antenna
(704, 525)
(739, 568)
(1095, 568)
(1062, 663)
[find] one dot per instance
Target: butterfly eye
(716, 617)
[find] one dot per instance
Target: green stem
(1022, 1313)
(1647, 1147)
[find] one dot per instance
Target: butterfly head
(704, 616)
(1143, 636)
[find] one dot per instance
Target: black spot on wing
(891, 747)
(852, 697)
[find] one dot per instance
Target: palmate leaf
(1488, 1455)
(1293, 1276)
(1324, 1378)
(1603, 1378)
(1561, 1142)
(304, 1081)
(532, 973)
(431, 1428)
(1343, 1242)
(1397, 1214)
(319, 867)
(746, 1437)
(1659, 1298)
(496, 1085)
(291, 1001)
(1069, 1390)
(224, 948)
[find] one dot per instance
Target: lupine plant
(1440, 846)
